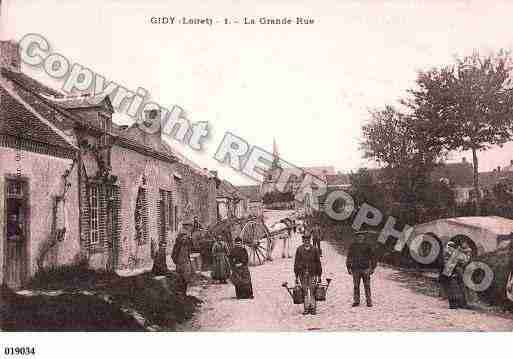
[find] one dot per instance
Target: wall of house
(462, 194)
(131, 168)
(198, 194)
(194, 195)
(45, 182)
(255, 209)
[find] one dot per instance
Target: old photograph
(273, 166)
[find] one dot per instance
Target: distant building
(459, 176)
(254, 197)
(231, 202)
(504, 176)
(287, 180)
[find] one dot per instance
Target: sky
(308, 86)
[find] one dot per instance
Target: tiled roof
(341, 179)
(490, 179)
(19, 118)
(251, 192)
(83, 101)
(289, 174)
(228, 190)
(320, 171)
(30, 83)
(460, 174)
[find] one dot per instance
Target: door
(16, 233)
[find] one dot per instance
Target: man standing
(317, 236)
(308, 270)
(361, 264)
(285, 237)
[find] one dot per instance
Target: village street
(396, 307)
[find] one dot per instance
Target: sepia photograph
(263, 167)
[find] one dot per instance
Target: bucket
(297, 295)
(295, 292)
(321, 290)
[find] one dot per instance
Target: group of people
(227, 263)
(361, 262)
(232, 264)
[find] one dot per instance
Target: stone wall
(198, 194)
(135, 170)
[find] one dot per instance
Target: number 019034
(19, 351)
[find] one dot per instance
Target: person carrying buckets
(308, 270)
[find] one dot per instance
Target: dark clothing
(14, 230)
(452, 281)
(455, 290)
(181, 257)
(307, 267)
(360, 257)
(240, 276)
(361, 262)
(358, 277)
(221, 270)
(307, 261)
(317, 237)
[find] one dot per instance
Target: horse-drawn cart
(256, 237)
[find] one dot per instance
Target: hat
(238, 240)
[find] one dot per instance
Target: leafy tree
(365, 189)
(405, 148)
(467, 106)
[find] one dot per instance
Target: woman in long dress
(181, 255)
(452, 276)
(241, 277)
(221, 264)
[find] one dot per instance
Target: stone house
(254, 196)
(459, 176)
(119, 194)
(230, 201)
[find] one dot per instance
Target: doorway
(16, 232)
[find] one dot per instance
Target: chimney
(498, 168)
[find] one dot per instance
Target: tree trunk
(476, 182)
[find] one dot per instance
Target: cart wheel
(255, 239)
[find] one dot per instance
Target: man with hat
(361, 264)
(308, 270)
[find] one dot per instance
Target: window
(175, 218)
(141, 217)
(94, 217)
(170, 211)
(106, 127)
(166, 204)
